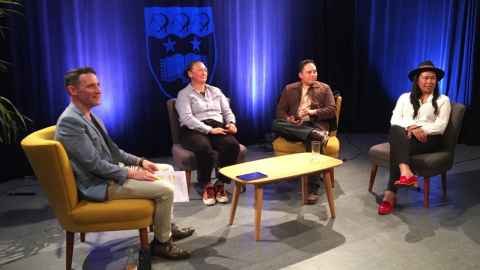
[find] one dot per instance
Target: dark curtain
(363, 49)
(392, 37)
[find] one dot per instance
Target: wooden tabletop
(281, 167)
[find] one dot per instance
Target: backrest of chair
(52, 168)
(338, 105)
(450, 136)
(173, 119)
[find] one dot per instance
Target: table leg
(236, 192)
(304, 183)
(328, 188)
(258, 210)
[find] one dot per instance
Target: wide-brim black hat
(426, 66)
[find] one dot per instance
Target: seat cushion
(427, 164)
(282, 146)
(379, 154)
(242, 154)
(431, 164)
(114, 211)
(183, 159)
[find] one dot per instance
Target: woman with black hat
(418, 122)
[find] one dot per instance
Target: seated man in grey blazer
(96, 162)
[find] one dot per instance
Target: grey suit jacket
(94, 160)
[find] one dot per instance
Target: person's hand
(412, 127)
(231, 128)
(420, 135)
(409, 134)
(149, 166)
(312, 112)
(218, 131)
(291, 119)
(295, 120)
(303, 112)
(140, 174)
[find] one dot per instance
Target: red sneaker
(406, 181)
(385, 208)
(220, 194)
(209, 195)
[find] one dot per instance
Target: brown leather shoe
(181, 233)
(319, 135)
(312, 198)
(168, 250)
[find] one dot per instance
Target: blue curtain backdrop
(364, 49)
(107, 35)
(392, 37)
(252, 40)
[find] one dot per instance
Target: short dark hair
(190, 66)
(303, 63)
(72, 76)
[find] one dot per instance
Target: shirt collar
(207, 89)
(77, 110)
(429, 99)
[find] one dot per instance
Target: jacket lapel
(298, 92)
(105, 140)
(93, 128)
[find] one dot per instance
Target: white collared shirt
(430, 123)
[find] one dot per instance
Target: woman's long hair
(416, 93)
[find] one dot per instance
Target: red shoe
(385, 208)
(209, 195)
(406, 181)
(220, 194)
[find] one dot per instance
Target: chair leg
(373, 173)
(82, 237)
(426, 192)
(144, 239)
(444, 184)
(70, 237)
(188, 174)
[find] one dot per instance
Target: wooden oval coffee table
(277, 169)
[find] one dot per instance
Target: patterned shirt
(305, 102)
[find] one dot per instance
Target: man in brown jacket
(304, 111)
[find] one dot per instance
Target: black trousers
(293, 132)
(401, 148)
(205, 147)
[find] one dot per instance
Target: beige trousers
(160, 191)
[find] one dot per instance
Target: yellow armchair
(52, 168)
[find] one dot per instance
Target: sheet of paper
(179, 181)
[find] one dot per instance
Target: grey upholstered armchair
(425, 165)
(184, 159)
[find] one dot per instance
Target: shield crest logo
(176, 36)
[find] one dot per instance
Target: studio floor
(445, 236)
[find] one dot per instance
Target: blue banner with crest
(176, 36)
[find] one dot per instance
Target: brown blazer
(322, 101)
